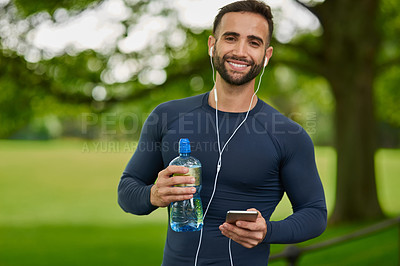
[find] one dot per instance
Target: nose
(240, 49)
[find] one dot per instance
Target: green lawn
(58, 207)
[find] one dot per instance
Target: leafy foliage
(27, 7)
(37, 83)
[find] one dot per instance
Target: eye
(255, 44)
(230, 38)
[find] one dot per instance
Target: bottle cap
(184, 146)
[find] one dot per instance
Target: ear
(268, 54)
(211, 43)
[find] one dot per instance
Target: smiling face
(240, 46)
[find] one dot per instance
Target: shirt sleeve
(142, 169)
(301, 182)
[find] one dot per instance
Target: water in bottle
(187, 215)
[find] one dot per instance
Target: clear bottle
(187, 215)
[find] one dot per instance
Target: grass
(58, 207)
(49, 245)
(381, 248)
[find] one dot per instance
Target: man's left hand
(247, 234)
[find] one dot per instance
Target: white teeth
(237, 65)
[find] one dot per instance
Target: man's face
(240, 48)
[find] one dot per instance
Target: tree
(346, 54)
(70, 78)
(350, 53)
(352, 85)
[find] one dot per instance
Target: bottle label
(196, 173)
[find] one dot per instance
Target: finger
(244, 227)
(173, 169)
(241, 233)
(177, 191)
(171, 194)
(181, 180)
(258, 225)
(253, 232)
(176, 198)
(248, 241)
(254, 209)
(231, 230)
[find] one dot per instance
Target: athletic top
(268, 155)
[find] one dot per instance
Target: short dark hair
(252, 6)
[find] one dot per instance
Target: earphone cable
(220, 151)
(230, 251)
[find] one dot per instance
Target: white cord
(212, 67)
(230, 251)
(219, 163)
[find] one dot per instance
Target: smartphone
(233, 216)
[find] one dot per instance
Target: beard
(219, 63)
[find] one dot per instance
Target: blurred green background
(58, 202)
(78, 79)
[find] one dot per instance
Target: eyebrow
(251, 37)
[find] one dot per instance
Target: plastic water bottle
(187, 215)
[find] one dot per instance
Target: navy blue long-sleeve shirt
(269, 155)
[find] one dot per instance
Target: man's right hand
(164, 191)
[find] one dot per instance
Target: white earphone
(266, 61)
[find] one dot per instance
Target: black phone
(233, 216)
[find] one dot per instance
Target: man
(264, 155)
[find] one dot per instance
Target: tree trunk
(350, 47)
(356, 195)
